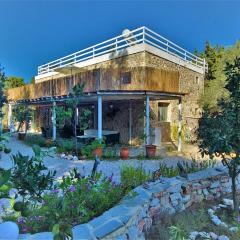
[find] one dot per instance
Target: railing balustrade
(137, 36)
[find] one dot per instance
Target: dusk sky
(35, 32)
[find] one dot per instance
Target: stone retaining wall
(134, 215)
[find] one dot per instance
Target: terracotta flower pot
(98, 151)
(124, 153)
(21, 135)
(150, 151)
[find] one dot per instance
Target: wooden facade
(136, 78)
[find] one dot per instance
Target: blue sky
(35, 32)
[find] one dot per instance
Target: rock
(81, 232)
(42, 236)
(193, 235)
(62, 155)
(13, 192)
(228, 202)
(9, 231)
(75, 158)
(223, 237)
(213, 236)
(69, 157)
(233, 229)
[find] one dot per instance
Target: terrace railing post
(147, 120)
(99, 117)
(180, 125)
(54, 127)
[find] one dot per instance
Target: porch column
(147, 120)
(9, 116)
(54, 127)
(130, 122)
(99, 117)
(180, 125)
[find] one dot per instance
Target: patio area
(108, 167)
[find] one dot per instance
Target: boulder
(9, 231)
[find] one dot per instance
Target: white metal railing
(137, 36)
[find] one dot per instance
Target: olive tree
(219, 132)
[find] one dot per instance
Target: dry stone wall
(134, 216)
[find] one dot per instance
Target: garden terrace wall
(133, 216)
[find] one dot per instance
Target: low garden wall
(135, 214)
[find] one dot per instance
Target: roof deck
(130, 42)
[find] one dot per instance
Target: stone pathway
(108, 167)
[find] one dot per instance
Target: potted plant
(124, 153)
(151, 150)
(97, 147)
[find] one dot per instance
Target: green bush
(81, 199)
(87, 150)
(35, 139)
(132, 177)
(65, 145)
(28, 177)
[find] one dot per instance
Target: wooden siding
(142, 78)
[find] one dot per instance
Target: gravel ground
(62, 166)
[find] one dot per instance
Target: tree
(215, 79)
(219, 131)
(71, 113)
(22, 114)
(12, 82)
(2, 96)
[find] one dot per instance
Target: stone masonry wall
(191, 83)
(133, 216)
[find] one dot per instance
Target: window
(126, 77)
(163, 112)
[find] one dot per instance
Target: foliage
(4, 179)
(2, 95)
(217, 58)
(28, 177)
(75, 200)
(186, 134)
(132, 177)
(219, 131)
(70, 112)
(12, 82)
(65, 145)
(22, 114)
(190, 167)
(35, 139)
(87, 150)
(177, 233)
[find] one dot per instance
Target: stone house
(138, 84)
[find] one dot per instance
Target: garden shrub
(35, 139)
(75, 200)
(28, 177)
(132, 177)
(65, 145)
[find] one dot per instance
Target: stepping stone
(9, 231)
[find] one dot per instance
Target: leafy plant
(132, 177)
(177, 233)
(87, 150)
(28, 177)
(65, 145)
(35, 139)
(219, 132)
(167, 171)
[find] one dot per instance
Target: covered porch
(130, 114)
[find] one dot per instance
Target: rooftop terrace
(129, 42)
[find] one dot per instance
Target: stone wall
(134, 216)
(190, 82)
